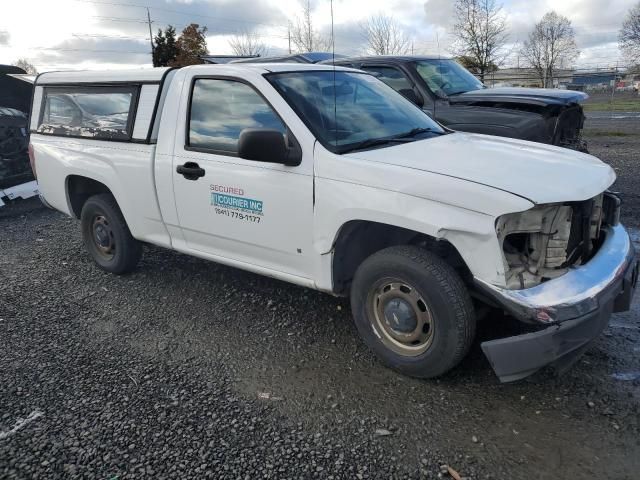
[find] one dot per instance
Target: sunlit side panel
(146, 104)
(37, 104)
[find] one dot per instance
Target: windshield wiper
(417, 131)
(374, 142)
(405, 137)
(459, 92)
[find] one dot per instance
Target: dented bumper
(576, 307)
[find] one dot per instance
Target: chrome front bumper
(575, 308)
(575, 293)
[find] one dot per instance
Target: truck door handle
(190, 171)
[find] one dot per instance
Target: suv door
(242, 210)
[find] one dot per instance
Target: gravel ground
(188, 369)
(615, 139)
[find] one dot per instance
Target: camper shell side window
(99, 112)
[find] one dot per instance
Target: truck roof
(284, 67)
(103, 76)
(154, 75)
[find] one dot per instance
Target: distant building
(593, 81)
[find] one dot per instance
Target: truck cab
(326, 177)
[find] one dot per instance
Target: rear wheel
(107, 236)
(413, 310)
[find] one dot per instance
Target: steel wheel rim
(394, 306)
(102, 236)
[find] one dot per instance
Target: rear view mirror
(267, 145)
(412, 96)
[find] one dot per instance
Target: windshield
(359, 109)
(447, 76)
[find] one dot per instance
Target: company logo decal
(236, 203)
(231, 202)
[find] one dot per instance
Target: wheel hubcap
(400, 316)
(103, 236)
(402, 319)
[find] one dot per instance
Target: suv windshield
(349, 110)
(447, 76)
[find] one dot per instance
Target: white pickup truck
(329, 179)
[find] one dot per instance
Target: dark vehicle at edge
(15, 99)
(305, 57)
(454, 97)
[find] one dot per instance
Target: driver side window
(391, 76)
(221, 109)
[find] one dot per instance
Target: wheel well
(79, 189)
(359, 239)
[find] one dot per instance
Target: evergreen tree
(165, 48)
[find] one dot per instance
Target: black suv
(454, 97)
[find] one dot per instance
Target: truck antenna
(335, 96)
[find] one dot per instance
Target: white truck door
(240, 210)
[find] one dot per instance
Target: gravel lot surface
(615, 139)
(188, 369)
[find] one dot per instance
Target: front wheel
(107, 236)
(413, 310)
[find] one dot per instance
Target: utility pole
(150, 35)
(289, 35)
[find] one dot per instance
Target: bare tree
(384, 36)
(481, 34)
(303, 35)
(247, 44)
(550, 45)
(27, 66)
(630, 36)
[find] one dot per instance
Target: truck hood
(530, 96)
(540, 173)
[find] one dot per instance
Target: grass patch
(622, 105)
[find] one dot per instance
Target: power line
(117, 37)
(62, 49)
(118, 19)
(180, 12)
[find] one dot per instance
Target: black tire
(437, 286)
(102, 223)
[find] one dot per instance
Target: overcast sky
(61, 34)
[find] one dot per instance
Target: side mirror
(440, 94)
(412, 96)
(267, 145)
